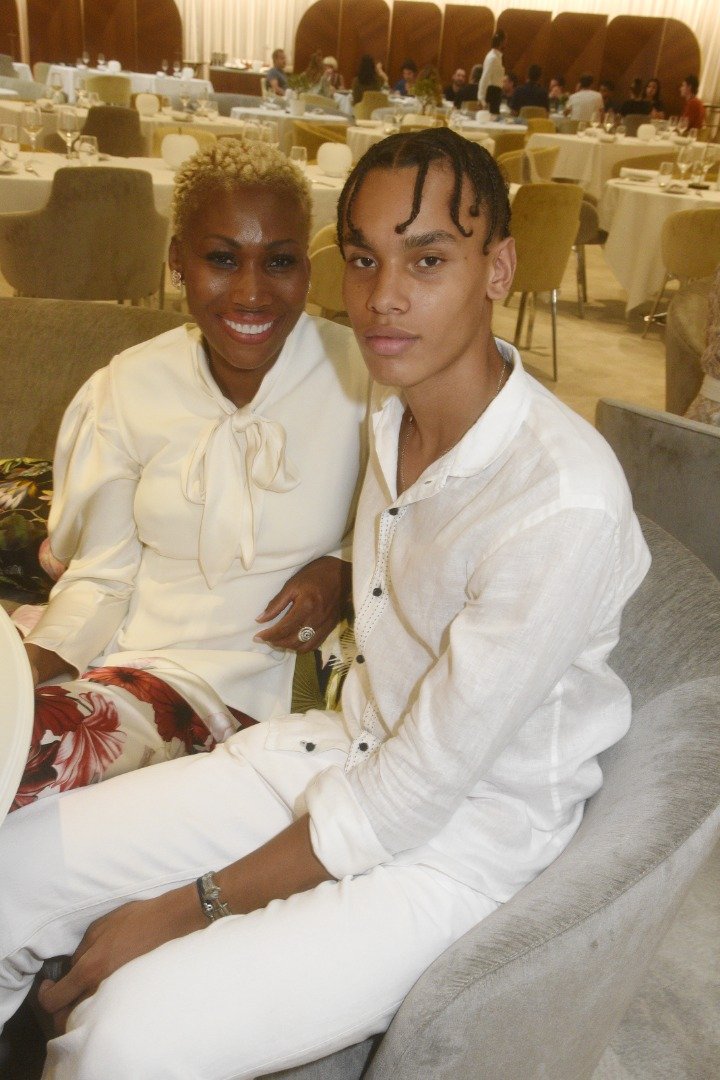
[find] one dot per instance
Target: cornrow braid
(420, 150)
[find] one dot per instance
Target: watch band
(209, 895)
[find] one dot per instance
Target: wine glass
(682, 125)
(609, 121)
(10, 141)
(271, 132)
(86, 58)
(87, 150)
(164, 65)
(184, 95)
(32, 126)
(595, 120)
(684, 161)
(101, 60)
(176, 67)
(298, 155)
(68, 127)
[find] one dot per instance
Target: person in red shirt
(693, 107)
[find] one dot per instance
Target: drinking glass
(87, 150)
(609, 121)
(665, 173)
(32, 126)
(101, 60)
(252, 131)
(176, 67)
(271, 132)
(298, 154)
(682, 125)
(86, 57)
(56, 89)
(673, 123)
(184, 95)
(211, 110)
(164, 65)
(684, 161)
(595, 120)
(10, 141)
(68, 127)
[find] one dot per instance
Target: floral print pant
(110, 721)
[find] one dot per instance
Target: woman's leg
(111, 721)
(253, 994)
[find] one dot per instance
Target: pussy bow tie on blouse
(231, 467)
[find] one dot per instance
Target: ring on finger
(305, 634)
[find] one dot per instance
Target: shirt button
(360, 658)
(309, 745)
(362, 746)
(393, 510)
(377, 591)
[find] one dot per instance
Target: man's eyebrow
(418, 240)
(355, 236)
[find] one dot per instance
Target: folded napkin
(628, 173)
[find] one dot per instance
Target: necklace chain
(411, 420)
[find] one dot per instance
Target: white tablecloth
(589, 161)
(25, 191)
(360, 139)
(140, 82)
(285, 121)
(633, 214)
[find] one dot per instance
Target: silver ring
(306, 633)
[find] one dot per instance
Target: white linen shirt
(184, 515)
(584, 103)
(493, 73)
(488, 597)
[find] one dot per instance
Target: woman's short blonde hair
(232, 164)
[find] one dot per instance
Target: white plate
(18, 704)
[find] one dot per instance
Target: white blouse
(488, 598)
(183, 515)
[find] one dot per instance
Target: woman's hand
(113, 940)
(318, 596)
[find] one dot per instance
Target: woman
(367, 78)
(203, 485)
(364, 844)
(332, 76)
(652, 94)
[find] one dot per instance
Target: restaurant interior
(615, 310)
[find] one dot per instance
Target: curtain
(251, 29)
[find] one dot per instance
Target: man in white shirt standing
(585, 101)
(493, 74)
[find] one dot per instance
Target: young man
(493, 71)
(531, 92)
(406, 83)
(585, 102)
(276, 77)
(456, 84)
(495, 547)
(693, 108)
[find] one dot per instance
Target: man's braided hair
(420, 150)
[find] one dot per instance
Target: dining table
(285, 121)
(67, 78)
(364, 134)
(588, 159)
(29, 190)
(633, 213)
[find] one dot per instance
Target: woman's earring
(176, 278)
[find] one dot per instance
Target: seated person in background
(367, 78)
(557, 96)
(652, 94)
(469, 92)
(275, 77)
(406, 82)
(531, 92)
(509, 86)
(456, 84)
(693, 108)
(637, 104)
(607, 93)
(201, 525)
(706, 406)
(585, 101)
(495, 547)
(331, 76)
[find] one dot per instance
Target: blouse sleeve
(91, 527)
(529, 617)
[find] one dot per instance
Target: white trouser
(250, 994)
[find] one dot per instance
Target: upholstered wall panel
(575, 46)
(319, 29)
(55, 30)
(415, 33)
(678, 56)
(364, 28)
(466, 34)
(159, 34)
(526, 38)
(9, 29)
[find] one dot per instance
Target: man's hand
(113, 940)
(318, 596)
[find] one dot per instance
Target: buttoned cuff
(340, 833)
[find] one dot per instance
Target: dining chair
(322, 238)
(689, 249)
(6, 66)
(505, 141)
(515, 164)
(643, 161)
(566, 126)
(589, 233)
(632, 122)
(312, 136)
(117, 130)
(99, 237)
(204, 140)
(319, 101)
(534, 112)
(40, 71)
(371, 99)
(543, 124)
(327, 268)
(111, 89)
(542, 161)
(146, 104)
(545, 219)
